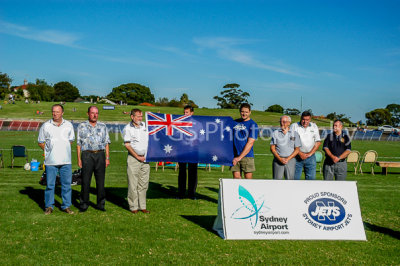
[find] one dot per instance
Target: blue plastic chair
(18, 151)
(319, 158)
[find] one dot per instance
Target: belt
(342, 160)
(94, 151)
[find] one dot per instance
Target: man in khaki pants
(136, 139)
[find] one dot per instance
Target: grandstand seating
(368, 135)
(33, 126)
(14, 126)
(393, 137)
(24, 125)
(325, 133)
(265, 132)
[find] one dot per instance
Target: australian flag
(190, 139)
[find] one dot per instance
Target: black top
(336, 145)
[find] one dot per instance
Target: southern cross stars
(215, 158)
(167, 148)
(202, 132)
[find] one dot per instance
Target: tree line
(134, 94)
(130, 93)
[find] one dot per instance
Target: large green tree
(65, 91)
(186, 101)
(5, 82)
(276, 108)
(131, 93)
(41, 91)
(233, 97)
(394, 110)
(378, 117)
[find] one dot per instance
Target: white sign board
(289, 209)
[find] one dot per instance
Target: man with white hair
(285, 145)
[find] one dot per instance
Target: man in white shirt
(55, 138)
(136, 139)
(310, 141)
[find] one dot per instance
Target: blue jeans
(65, 171)
(309, 165)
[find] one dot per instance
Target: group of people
(293, 147)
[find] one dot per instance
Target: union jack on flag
(190, 139)
(169, 124)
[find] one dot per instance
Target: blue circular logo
(326, 211)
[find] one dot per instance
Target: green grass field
(20, 110)
(176, 231)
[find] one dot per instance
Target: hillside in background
(77, 111)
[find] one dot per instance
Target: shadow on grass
(115, 195)
(204, 221)
(213, 189)
(382, 230)
(157, 191)
(37, 195)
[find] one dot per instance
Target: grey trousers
(283, 170)
(337, 170)
(138, 183)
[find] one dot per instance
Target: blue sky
(339, 56)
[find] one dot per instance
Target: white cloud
(49, 36)
(174, 50)
(227, 49)
(129, 60)
(279, 86)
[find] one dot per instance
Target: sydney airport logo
(250, 208)
(326, 211)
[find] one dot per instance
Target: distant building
(24, 89)
(109, 102)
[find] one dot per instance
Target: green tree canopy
(41, 91)
(233, 97)
(132, 94)
(276, 108)
(65, 91)
(186, 101)
(378, 117)
(334, 116)
(5, 82)
(394, 110)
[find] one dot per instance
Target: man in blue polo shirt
(245, 133)
(337, 147)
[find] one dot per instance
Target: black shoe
(82, 210)
(101, 209)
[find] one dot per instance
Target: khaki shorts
(245, 165)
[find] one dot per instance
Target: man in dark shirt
(191, 174)
(337, 147)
